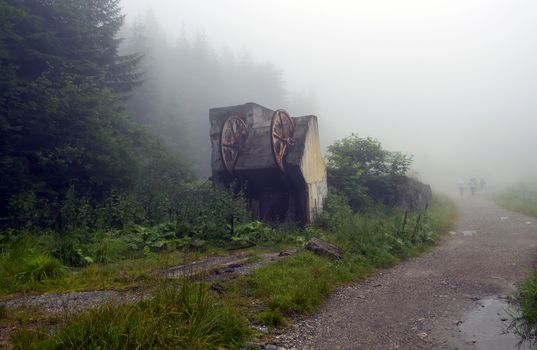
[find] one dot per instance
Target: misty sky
(452, 82)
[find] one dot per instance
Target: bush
(364, 172)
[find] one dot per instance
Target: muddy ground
(432, 301)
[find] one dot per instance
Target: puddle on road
(486, 326)
(469, 232)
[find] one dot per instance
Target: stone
(321, 247)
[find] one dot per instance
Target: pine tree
(61, 114)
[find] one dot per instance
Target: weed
(26, 266)
(524, 316)
(523, 198)
(38, 268)
(26, 338)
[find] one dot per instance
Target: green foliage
(258, 233)
(371, 239)
(297, 285)
(66, 145)
(188, 318)
(25, 265)
(364, 172)
(199, 217)
(524, 317)
(522, 198)
(37, 268)
(271, 318)
(385, 234)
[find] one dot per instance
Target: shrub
(364, 172)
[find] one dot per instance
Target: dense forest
(64, 129)
(96, 109)
(181, 81)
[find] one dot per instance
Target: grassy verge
(522, 198)
(524, 318)
(26, 267)
(43, 263)
(299, 284)
(185, 317)
(191, 316)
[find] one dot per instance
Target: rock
(422, 335)
(321, 247)
(274, 347)
(261, 329)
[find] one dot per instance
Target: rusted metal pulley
(282, 130)
(232, 139)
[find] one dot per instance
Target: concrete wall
(313, 169)
(303, 184)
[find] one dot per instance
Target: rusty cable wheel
(232, 140)
(282, 130)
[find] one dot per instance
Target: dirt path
(429, 302)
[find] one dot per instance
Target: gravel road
(424, 302)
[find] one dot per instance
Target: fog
(451, 82)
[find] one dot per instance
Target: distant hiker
(482, 184)
(461, 186)
(473, 185)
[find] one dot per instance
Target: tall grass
(524, 317)
(369, 240)
(26, 266)
(188, 317)
(522, 198)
